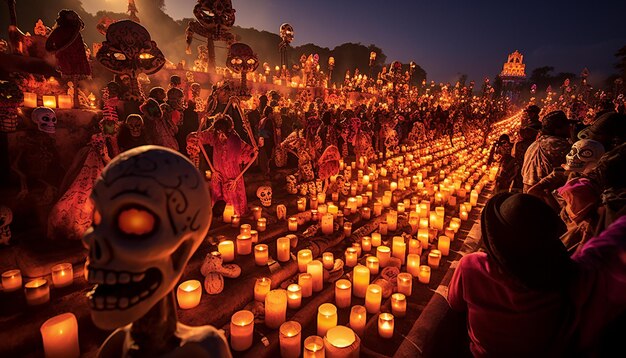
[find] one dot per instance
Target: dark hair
(223, 123)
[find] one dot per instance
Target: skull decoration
(152, 211)
(286, 33)
(345, 189)
(214, 270)
(6, 217)
(303, 189)
(241, 58)
(291, 184)
(134, 122)
(306, 171)
(265, 194)
(281, 212)
(584, 155)
(214, 13)
(312, 188)
(10, 98)
(45, 118)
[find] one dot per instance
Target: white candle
(358, 319)
(30, 100)
(343, 293)
(473, 198)
(301, 204)
(11, 280)
(384, 254)
(304, 257)
(376, 239)
(293, 223)
(434, 256)
(424, 275)
(245, 229)
(326, 318)
(254, 236)
(37, 292)
(257, 211)
(261, 287)
(49, 101)
(313, 347)
(399, 248)
(289, 339)
(244, 244)
(351, 257)
(227, 249)
(366, 243)
(372, 264)
(275, 308)
(189, 294)
(260, 255)
(373, 298)
(405, 283)
(316, 269)
(261, 224)
(60, 336)
(398, 304)
(413, 264)
(328, 260)
(339, 342)
(360, 280)
(235, 219)
(392, 220)
(294, 296)
(443, 245)
(229, 211)
(65, 101)
(305, 280)
(382, 227)
(327, 223)
(422, 236)
(282, 249)
(378, 208)
(62, 274)
(313, 203)
(366, 213)
(347, 228)
(385, 325)
(241, 330)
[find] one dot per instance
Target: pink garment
(506, 319)
(166, 127)
(228, 158)
(581, 196)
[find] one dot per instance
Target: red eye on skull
(136, 221)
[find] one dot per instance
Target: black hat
(608, 126)
(532, 109)
(554, 120)
(521, 234)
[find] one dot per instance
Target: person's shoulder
(474, 260)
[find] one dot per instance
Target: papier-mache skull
(45, 119)
(264, 193)
(6, 217)
(241, 58)
(292, 184)
(152, 211)
(134, 122)
(584, 155)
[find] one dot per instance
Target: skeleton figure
(6, 217)
(213, 20)
(152, 211)
(132, 133)
(583, 156)
(241, 59)
(129, 50)
(11, 97)
(264, 193)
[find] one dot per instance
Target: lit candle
(376, 239)
(275, 308)
(314, 215)
(301, 204)
(65, 101)
(443, 245)
(37, 292)
(293, 240)
(341, 342)
(11, 280)
(227, 249)
(455, 224)
(358, 319)
(366, 243)
(405, 283)
(422, 236)
(434, 256)
(229, 211)
(463, 215)
(415, 247)
(413, 264)
(351, 257)
(360, 280)
(261, 287)
(30, 100)
(316, 269)
(352, 204)
(304, 257)
(382, 227)
(326, 318)
(261, 224)
(257, 211)
(60, 336)
(398, 304)
(373, 297)
(332, 209)
(244, 244)
(260, 255)
(384, 254)
(343, 293)
(401, 207)
(293, 223)
(235, 220)
(49, 101)
(328, 260)
(241, 330)
(321, 198)
(305, 280)
(289, 339)
(423, 223)
(282, 249)
(313, 203)
(347, 228)
(294, 296)
(245, 229)
(327, 223)
(392, 220)
(399, 248)
(385, 325)
(359, 201)
(366, 213)
(378, 208)
(189, 294)
(372, 264)
(424, 275)
(313, 347)
(473, 198)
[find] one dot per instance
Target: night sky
(447, 38)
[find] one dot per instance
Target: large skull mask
(265, 194)
(584, 155)
(135, 125)
(241, 58)
(6, 217)
(45, 118)
(152, 211)
(215, 13)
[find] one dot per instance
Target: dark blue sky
(446, 37)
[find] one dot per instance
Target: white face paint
(45, 118)
(152, 211)
(265, 194)
(584, 155)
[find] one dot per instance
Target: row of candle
(37, 291)
(64, 101)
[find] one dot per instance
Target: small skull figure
(152, 211)
(45, 119)
(265, 194)
(292, 184)
(6, 217)
(584, 155)
(11, 97)
(286, 33)
(214, 270)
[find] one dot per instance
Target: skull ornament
(45, 118)
(152, 211)
(215, 13)
(134, 122)
(286, 33)
(241, 58)
(291, 184)
(584, 155)
(6, 217)
(265, 194)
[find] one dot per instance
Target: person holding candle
(555, 304)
